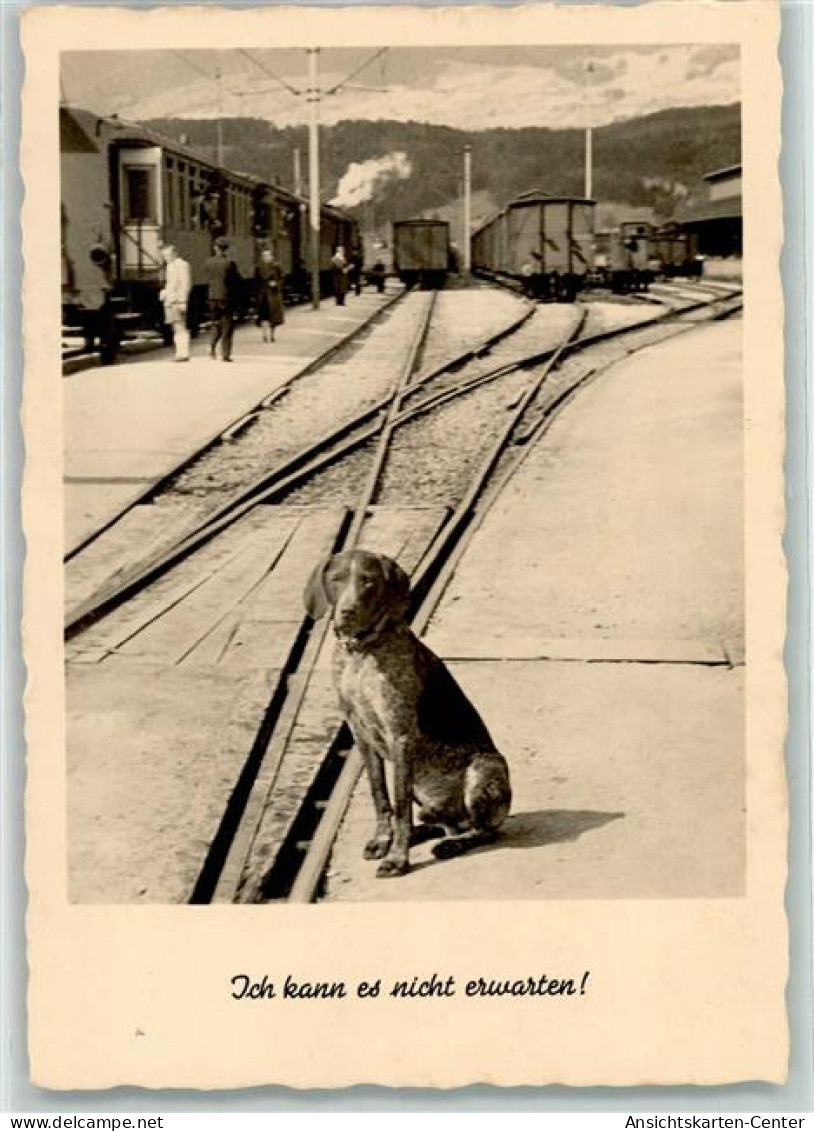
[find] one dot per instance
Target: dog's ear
(317, 601)
(398, 585)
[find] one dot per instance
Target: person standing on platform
(357, 263)
(378, 274)
(269, 280)
(224, 281)
(175, 297)
(340, 269)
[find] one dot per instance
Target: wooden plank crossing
(141, 533)
(165, 698)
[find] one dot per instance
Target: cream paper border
(681, 991)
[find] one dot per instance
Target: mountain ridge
(651, 162)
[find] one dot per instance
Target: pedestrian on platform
(223, 279)
(175, 297)
(269, 283)
(378, 273)
(357, 266)
(340, 269)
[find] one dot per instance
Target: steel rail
(300, 467)
(153, 488)
(313, 865)
(329, 447)
(221, 872)
(432, 576)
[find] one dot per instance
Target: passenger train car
(126, 191)
(545, 242)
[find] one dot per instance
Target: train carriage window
(140, 193)
(169, 190)
(183, 195)
(189, 196)
(178, 195)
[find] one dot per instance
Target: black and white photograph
(407, 462)
(482, 309)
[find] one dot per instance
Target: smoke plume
(360, 181)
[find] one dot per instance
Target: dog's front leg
(397, 861)
(379, 843)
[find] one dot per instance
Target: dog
(403, 706)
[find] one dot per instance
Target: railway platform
(596, 620)
(129, 425)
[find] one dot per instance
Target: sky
(469, 88)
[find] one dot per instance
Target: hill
(652, 162)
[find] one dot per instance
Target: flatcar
(543, 242)
(126, 191)
(421, 252)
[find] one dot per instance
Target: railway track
(256, 465)
(301, 860)
(321, 364)
(276, 827)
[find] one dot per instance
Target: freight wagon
(126, 191)
(421, 251)
(544, 242)
(624, 257)
(677, 251)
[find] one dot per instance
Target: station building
(717, 220)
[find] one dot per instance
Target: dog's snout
(354, 604)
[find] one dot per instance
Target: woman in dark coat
(269, 278)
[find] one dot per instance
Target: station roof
(706, 211)
(722, 174)
(537, 196)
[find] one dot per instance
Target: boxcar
(624, 257)
(545, 242)
(677, 251)
(421, 251)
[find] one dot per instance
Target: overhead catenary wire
(377, 55)
(267, 70)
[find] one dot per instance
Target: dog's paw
(377, 847)
(391, 867)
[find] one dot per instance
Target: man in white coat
(175, 296)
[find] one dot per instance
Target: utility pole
(297, 172)
(589, 169)
(589, 133)
(313, 170)
(467, 248)
(219, 158)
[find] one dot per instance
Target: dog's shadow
(550, 826)
(539, 828)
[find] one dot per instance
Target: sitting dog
(403, 706)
